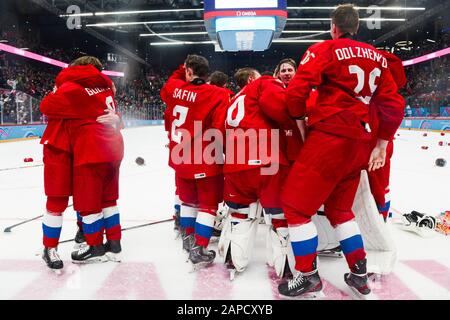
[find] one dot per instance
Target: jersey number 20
(354, 69)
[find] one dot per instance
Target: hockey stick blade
(130, 228)
(8, 229)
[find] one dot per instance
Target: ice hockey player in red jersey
(255, 165)
(193, 107)
(379, 179)
(82, 154)
(348, 75)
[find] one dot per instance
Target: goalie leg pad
(238, 235)
(280, 251)
(325, 232)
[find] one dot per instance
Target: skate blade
(101, 259)
(330, 254)
(233, 273)
(78, 246)
(114, 257)
(359, 296)
(58, 272)
(198, 266)
(214, 240)
(307, 296)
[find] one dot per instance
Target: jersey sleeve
(220, 111)
(309, 74)
(272, 100)
(177, 76)
(390, 106)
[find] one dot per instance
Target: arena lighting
(86, 14)
(204, 32)
(361, 19)
(213, 42)
(427, 57)
(38, 57)
(430, 40)
(143, 11)
(296, 41)
(180, 43)
(115, 24)
(356, 7)
(403, 43)
(172, 34)
(91, 14)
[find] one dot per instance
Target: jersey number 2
(354, 69)
(180, 113)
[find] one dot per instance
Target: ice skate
(89, 254)
(188, 241)
(230, 267)
(80, 240)
(215, 236)
(52, 259)
(200, 257)
(358, 281)
(331, 253)
(303, 285)
(177, 227)
(113, 250)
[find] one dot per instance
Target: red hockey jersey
(82, 94)
(192, 108)
(252, 115)
(397, 70)
(348, 75)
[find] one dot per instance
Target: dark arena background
(140, 43)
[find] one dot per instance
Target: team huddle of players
(293, 141)
(286, 144)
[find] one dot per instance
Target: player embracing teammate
(83, 149)
(193, 108)
(348, 75)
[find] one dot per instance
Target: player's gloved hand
(378, 155)
(110, 118)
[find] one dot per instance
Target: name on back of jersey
(358, 52)
(185, 95)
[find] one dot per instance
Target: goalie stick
(130, 228)
(8, 229)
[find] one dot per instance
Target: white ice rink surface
(153, 264)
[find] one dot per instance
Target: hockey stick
(24, 167)
(130, 228)
(8, 229)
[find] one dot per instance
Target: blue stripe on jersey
(93, 227)
(203, 231)
(351, 244)
(51, 232)
(112, 221)
(306, 247)
(187, 222)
